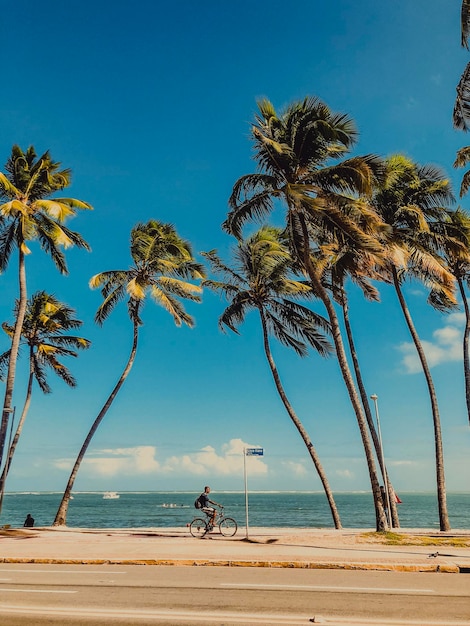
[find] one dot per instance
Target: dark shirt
(204, 500)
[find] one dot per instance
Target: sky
(150, 105)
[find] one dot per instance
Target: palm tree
(261, 281)
(28, 213)
(411, 199)
(361, 268)
(162, 263)
(457, 257)
(45, 331)
(297, 153)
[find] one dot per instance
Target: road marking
(2, 589)
(163, 615)
(325, 588)
(58, 571)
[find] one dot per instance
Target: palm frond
(39, 374)
(180, 288)
(220, 267)
(465, 22)
(465, 184)
(463, 157)
(234, 315)
(461, 113)
(111, 300)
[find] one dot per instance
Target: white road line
(59, 571)
(325, 588)
(2, 589)
(164, 615)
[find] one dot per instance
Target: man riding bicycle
(205, 502)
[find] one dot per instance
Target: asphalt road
(150, 595)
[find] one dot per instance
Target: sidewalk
(264, 547)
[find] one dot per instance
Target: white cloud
(344, 473)
(399, 463)
(208, 462)
(298, 469)
(446, 347)
(142, 460)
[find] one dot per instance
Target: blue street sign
(254, 451)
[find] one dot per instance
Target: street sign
(254, 451)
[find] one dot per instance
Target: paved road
(111, 595)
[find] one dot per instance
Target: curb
(386, 567)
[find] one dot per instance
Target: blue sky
(150, 104)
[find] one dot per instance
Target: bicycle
(199, 527)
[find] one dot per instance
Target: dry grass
(397, 539)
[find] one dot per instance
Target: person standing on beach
(29, 521)
(205, 502)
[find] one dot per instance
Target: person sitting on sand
(29, 521)
(205, 501)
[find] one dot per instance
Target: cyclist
(205, 502)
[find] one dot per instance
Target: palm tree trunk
(441, 485)
(304, 255)
(19, 428)
(15, 344)
(298, 424)
(61, 515)
(367, 411)
(466, 333)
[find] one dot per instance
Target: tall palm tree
(298, 154)
(45, 331)
(360, 267)
(411, 199)
(261, 280)
(162, 263)
(28, 213)
(457, 229)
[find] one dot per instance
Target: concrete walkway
(264, 547)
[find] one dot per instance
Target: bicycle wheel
(228, 526)
(198, 527)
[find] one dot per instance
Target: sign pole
(248, 452)
(246, 493)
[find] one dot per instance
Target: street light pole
(375, 398)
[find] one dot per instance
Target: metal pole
(246, 492)
(374, 397)
(7, 461)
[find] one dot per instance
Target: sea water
(270, 509)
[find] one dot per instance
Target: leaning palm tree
(412, 198)
(457, 229)
(298, 153)
(261, 280)
(45, 331)
(28, 213)
(162, 264)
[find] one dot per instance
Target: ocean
(270, 509)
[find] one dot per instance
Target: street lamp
(374, 397)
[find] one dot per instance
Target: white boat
(110, 495)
